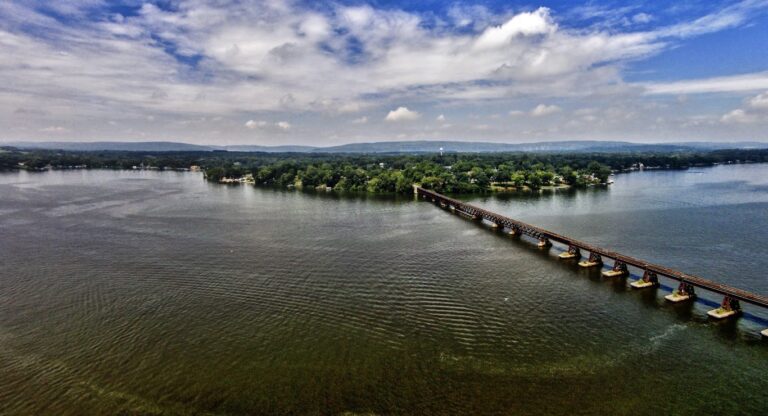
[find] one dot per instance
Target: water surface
(158, 293)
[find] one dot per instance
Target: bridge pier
(572, 253)
(650, 279)
(544, 243)
(684, 292)
(619, 269)
(729, 307)
(594, 261)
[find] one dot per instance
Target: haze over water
(158, 293)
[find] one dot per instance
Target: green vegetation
(378, 173)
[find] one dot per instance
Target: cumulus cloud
(253, 124)
(258, 54)
(738, 116)
(544, 110)
(755, 109)
(261, 124)
(440, 118)
(283, 125)
(538, 22)
(402, 114)
(760, 101)
(273, 58)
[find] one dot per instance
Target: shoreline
(493, 189)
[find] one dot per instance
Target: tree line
(386, 173)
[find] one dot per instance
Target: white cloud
(738, 116)
(402, 114)
(516, 113)
(261, 124)
(755, 110)
(54, 129)
(273, 58)
(361, 120)
(735, 83)
(538, 22)
(760, 101)
(544, 110)
(350, 107)
(476, 16)
(253, 124)
(440, 118)
(283, 125)
(724, 18)
(642, 18)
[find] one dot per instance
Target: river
(126, 292)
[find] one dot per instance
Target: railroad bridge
(688, 283)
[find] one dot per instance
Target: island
(451, 173)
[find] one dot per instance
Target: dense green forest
(386, 173)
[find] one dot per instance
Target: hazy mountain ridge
(113, 146)
(422, 146)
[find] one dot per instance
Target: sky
(278, 72)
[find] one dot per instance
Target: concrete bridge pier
(544, 243)
(684, 292)
(619, 270)
(730, 307)
(572, 253)
(594, 261)
(514, 231)
(650, 279)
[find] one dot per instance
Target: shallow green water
(157, 293)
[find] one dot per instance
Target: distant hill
(486, 147)
(270, 149)
(719, 146)
(115, 146)
(422, 146)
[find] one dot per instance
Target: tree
(599, 171)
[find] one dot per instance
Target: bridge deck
(537, 232)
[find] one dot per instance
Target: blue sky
(329, 72)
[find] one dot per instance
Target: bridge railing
(540, 233)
